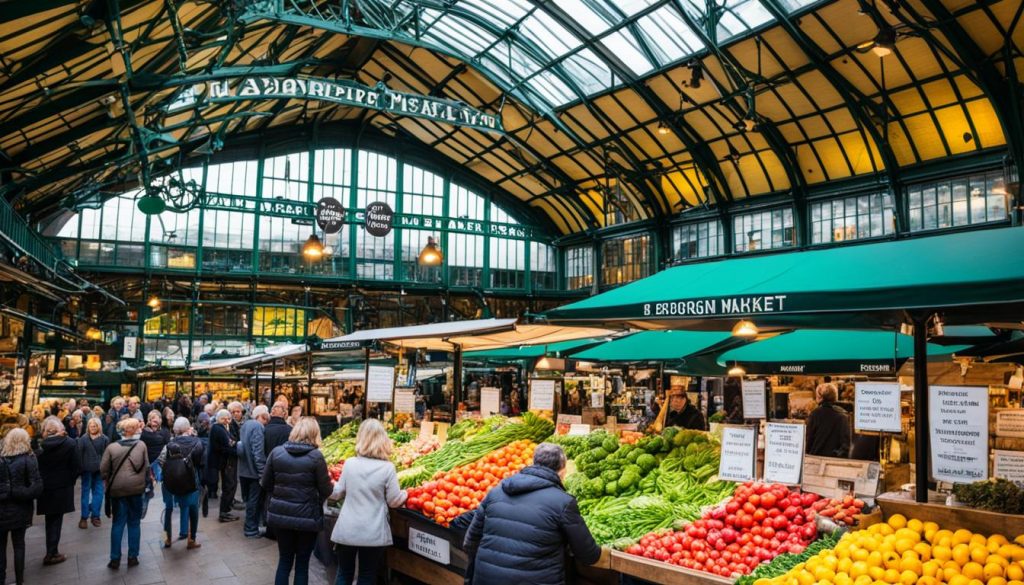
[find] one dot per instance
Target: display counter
(653, 571)
(952, 517)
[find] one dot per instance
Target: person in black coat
(223, 460)
(20, 485)
(58, 466)
(277, 430)
(520, 531)
(681, 413)
(828, 427)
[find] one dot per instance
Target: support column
(921, 441)
(456, 380)
(26, 356)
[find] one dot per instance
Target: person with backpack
(180, 462)
(125, 469)
(20, 485)
(90, 449)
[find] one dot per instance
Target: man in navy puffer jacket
(521, 529)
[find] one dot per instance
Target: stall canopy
(659, 346)
(274, 352)
(472, 335)
(531, 352)
(830, 352)
(857, 286)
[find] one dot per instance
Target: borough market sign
(351, 93)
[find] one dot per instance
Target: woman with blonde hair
(369, 485)
(20, 484)
(58, 466)
(90, 450)
(295, 477)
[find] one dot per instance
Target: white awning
(274, 352)
(429, 331)
(472, 335)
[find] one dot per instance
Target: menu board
(490, 401)
(1009, 465)
(783, 453)
(380, 383)
(876, 407)
(1010, 423)
(739, 453)
(958, 420)
(542, 395)
(753, 399)
(405, 400)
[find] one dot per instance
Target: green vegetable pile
(456, 452)
(576, 445)
(625, 491)
(781, 564)
(400, 437)
(341, 444)
(998, 495)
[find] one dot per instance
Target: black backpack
(180, 477)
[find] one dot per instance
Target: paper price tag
(542, 395)
(783, 453)
(380, 383)
(958, 416)
(430, 546)
(877, 407)
(753, 399)
(739, 453)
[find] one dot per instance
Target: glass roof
(546, 49)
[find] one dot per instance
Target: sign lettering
(783, 453)
(739, 453)
(753, 399)
(428, 545)
(959, 433)
(877, 407)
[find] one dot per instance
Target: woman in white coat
(369, 484)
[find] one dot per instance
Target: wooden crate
(953, 517)
(663, 573)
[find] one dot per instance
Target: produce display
(911, 552)
(467, 428)
(405, 455)
(10, 419)
(453, 493)
(997, 495)
(786, 561)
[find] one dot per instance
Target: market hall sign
(739, 305)
(351, 93)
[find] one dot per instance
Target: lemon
(962, 536)
(962, 554)
(876, 573)
(910, 564)
(860, 554)
(897, 521)
(842, 579)
(973, 570)
(993, 570)
(862, 580)
(958, 580)
(1015, 573)
(804, 578)
(875, 559)
(915, 525)
(859, 569)
(908, 534)
(949, 574)
(1001, 561)
(978, 539)
(891, 560)
(979, 553)
(996, 581)
(942, 553)
(923, 551)
(943, 534)
(931, 568)
(904, 544)
(908, 578)
(928, 581)
(891, 576)
(823, 573)
(1015, 582)
(843, 566)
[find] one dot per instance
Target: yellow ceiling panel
(815, 127)
(793, 97)
(777, 179)
(862, 72)
(820, 89)
(953, 123)
(831, 153)
(939, 93)
(986, 124)
(968, 89)
(809, 166)
(556, 217)
(908, 101)
(981, 29)
(638, 108)
(790, 131)
(862, 156)
(683, 188)
(900, 146)
(846, 22)
(926, 136)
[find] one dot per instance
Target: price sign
(1009, 465)
(753, 399)
(579, 430)
(542, 395)
(739, 453)
(877, 407)
(597, 400)
(783, 453)
(405, 400)
(958, 417)
(380, 383)
(130, 346)
(430, 546)
(490, 401)
(1009, 423)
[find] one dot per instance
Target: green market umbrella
(659, 346)
(817, 351)
(531, 352)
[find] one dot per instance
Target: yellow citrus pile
(909, 552)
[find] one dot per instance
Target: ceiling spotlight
(313, 248)
(93, 334)
(153, 302)
(734, 154)
(736, 370)
(968, 137)
(696, 73)
(662, 128)
(744, 328)
(431, 254)
(883, 44)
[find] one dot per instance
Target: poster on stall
(1010, 423)
(958, 419)
(542, 395)
(1009, 465)
(739, 453)
(380, 383)
(597, 400)
(753, 399)
(783, 453)
(405, 400)
(876, 407)
(130, 347)
(490, 401)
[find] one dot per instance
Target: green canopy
(658, 346)
(855, 286)
(829, 351)
(531, 352)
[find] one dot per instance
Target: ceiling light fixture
(883, 44)
(737, 371)
(153, 302)
(313, 248)
(431, 254)
(93, 334)
(696, 73)
(662, 128)
(745, 329)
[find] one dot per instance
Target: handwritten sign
(405, 400)
(739, 453)
(380, 383)
(490, 401)
(542, 395)
(131, 344)
(783, 453)
(753, 399)
(597, 400)
(579, 430)
(430, 546)
(958, 417)
(1009, 423)
(1009, 465)
(877, 407)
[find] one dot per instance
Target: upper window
(697, 240)
(958, 202)
(579, 267)
(625, 259)
(763, 230)
(852, 218)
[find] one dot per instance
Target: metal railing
(20, 235)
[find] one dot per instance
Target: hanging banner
(330, 215)
(490, 401)
(958, 419)
(380, 384)
(352, 94)
(405, 400)
(739, 453)
(1009, 465)
(379, 219)
(542, 395)
(876, 407)
(753, 399)
(783, 453)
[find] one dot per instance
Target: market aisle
(226, 558)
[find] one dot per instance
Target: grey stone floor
(226, 557)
